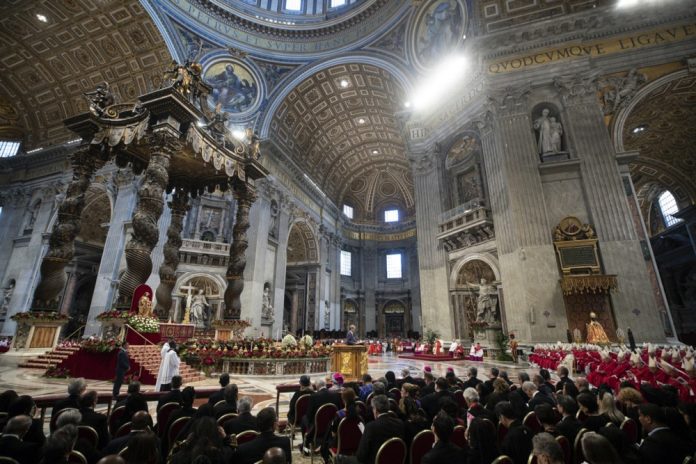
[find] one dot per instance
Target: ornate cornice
(577, 89)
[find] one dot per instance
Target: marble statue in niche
(550, 132)
(486, 302)
(200, 309)
(7, 297)
(266, 306)
(275, 215)
(327, 315)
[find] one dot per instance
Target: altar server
(168, 369)
(163, 354)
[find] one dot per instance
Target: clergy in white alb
(163, 353)
(170, 368)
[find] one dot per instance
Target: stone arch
(303, 246)
(486, 258)
(394, 317)
(214, 288)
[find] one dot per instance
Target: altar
(179, 332)
(349, 360)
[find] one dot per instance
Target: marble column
(146, 216)
(634, 303)
(529, 272)
(281, 263)
(432, 260)
(85, 162)
(335, 289)
(107, 276)
(25, 259)
(368, 273)
(245, 195)
(178, 207)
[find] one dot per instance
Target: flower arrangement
(288, 342)
(57, 372)
(39, 315)
(144, 324)
(98, 345)
(208, 352)
(306, 341)
(113, 314)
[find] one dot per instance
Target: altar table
(179, 332)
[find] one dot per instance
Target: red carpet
(101, 366)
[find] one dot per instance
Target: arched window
(668, 207)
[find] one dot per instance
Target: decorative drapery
(574, 284)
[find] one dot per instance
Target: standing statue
(145, 305)
(556, 132)
(543, 125)
(595, 331)
(621, 90)
(100, 98)
(266, 306)
(486, 303)
(327, 315)
(199, 309)
(6, 297)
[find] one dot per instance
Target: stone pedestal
(113, 329)
(488, 338)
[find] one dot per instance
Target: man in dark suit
(12, 444)
(173, 395)
(519, 399)
(122, 366)
(384, 427)
(543, 383)
(230, 404)
(220, 394)
(305, 389)
(133, 403)
(563, 379)
(93, 419)
(568, 426)
(320, 398)
(76, 388)
(535, 396)
(660, 445)
(140, 424)
(253, 451)
(472, 379)
(517, 443)
(429, 387)
(431, 403)
(245, 420)
(188, 395)
(443, 451)
(350, 336)
(488, 384)
(405, 378)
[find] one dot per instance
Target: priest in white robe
(163, 353)
(168, 369)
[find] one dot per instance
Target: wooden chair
(396, 393)
(301, 406)
(88, 433)
(54, 419)
(246, 436)
(459, 437)
(219, 403)
(393, 406)
(75, 457)
(7, 460)
(362, 409)
(531, 421)
(532, 459)
(163, 416)
(123, 451)
(581, 416)
(392, 451)
(176, 427)
(347, 437)
(115, 419)
(630, 429)
(577, 446)
(689, 460)
(225, 418)
(123, 430)
(322, 421)
(567, 450)
(368, 400)
(503, 460)
(421, 444)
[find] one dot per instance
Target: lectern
(349, 360)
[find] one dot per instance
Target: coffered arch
(338, 124)
(48, 65)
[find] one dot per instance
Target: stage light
(41, 18)
(344, 83)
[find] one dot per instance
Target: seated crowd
(438, 420)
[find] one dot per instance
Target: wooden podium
(349, 360)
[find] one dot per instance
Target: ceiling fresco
(667, 143)
(47, 66)
(339, 127)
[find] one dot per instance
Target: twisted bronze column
(245, 195)
(61, 244)
(150, 205)
(167, 272)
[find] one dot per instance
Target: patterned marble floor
(260, 388)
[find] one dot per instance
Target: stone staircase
(50, 358)
(148, 356)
